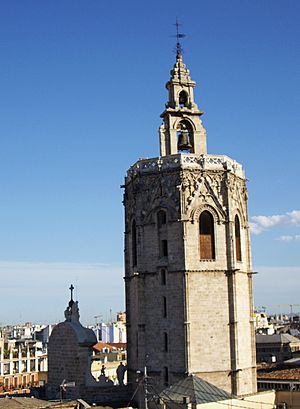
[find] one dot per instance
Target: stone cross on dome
(72, 310)
(71, 289)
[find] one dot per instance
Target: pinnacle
(179, 71)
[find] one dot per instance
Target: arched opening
(185, 137)
(183, 99)
(237, 234)
(133, 244)
(207, 236)
(161, 218)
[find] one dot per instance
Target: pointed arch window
(185, 137)
(237, 234)
(207, 236)
(161, 218)
(133, 244)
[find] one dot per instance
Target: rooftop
(278, 372)
(275, 339)
(196, 389)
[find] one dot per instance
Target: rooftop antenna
(178, 36)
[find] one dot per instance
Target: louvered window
(207, 236)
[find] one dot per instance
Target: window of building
(134, 244)
(164, 307)
(237, 233)
(166, 342)
(185, 137)
(183, 99)
(164, 248)
(166, 375)
(163, 277)
(161, 218)
(207, 236)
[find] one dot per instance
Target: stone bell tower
(187, 256)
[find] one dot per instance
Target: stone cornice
(187, 161)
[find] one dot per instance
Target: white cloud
(255, 228)
(295, 217)
(258, 224)
(289, 238)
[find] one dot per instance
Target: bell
(183, 143)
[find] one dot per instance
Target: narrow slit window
(164, 248)
(164, 307)
(166, 342)
(163, 277)
(166, 376)
(237, 233)
(134, 244)
(207, 236)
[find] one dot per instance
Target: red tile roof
(275, 372)
(118, 345)
(110, 346)
(102, 345)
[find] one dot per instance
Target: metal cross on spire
(178, 37)
(71, 289)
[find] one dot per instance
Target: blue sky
(82, 86)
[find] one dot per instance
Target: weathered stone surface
(199, 319)
(69, 360)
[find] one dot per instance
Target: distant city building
(276, 347)
(284, 378)
(23, 362)
(262, 325)
(113, 331)
(43, 334)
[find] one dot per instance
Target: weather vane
(178, 36)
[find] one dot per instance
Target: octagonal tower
(187, 256)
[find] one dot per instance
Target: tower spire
(182, 130)
(179, 35)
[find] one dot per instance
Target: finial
(179, 48)
(71, 289)
(72, 310)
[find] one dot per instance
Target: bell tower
(182, 129)
(188, 273)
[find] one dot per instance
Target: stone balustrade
(186, 161)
